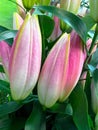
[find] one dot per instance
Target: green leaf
(4, 86)
(91, 33)
(7, 34)
(6, 13)
(47, 24)
(63, 122)
(1, 69)
(9, 108)
(36, 120)
(5, 123)
(72, 20)
(88, 95)
(2, 29)
(18, 123)
(89, 21)
(61, 108)
(80, 108)
(94, 59)
(91, 68)
(95, 78)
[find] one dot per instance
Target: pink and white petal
(50, 81)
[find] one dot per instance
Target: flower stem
(92, 44)
(94, 39)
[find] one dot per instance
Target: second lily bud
(61, 70)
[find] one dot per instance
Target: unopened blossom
(61, 70)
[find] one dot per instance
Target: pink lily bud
(25, 60)
(5, 55)
(17, 21)
(56, 32)
(74, 66)
(61, 70)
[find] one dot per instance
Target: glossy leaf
(58, 108)
(1, 69)
(18, 123)
(2, 29)
(94, 94)
(6, 13)
(4, 86)
(94, 59)
(36, 120)
(80, 108)
(47, 24)
(88, 94)
(64, 122)
(68, 18)
(5, 123)
(95, 78)
(89, 22)
(9, 107)
(7, 34)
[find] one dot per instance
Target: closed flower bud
(61, 70)
(25, 59)
(56, 32)
(5, 50)
(28, 4)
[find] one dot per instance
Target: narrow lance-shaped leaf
(72, 20)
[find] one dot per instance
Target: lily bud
(5, 50)
(93, 9)
(28, 3)
(25, 60)
(56, 31)
(61, 70)
(17, 21)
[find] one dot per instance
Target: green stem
(94, 39)
(92, 44)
